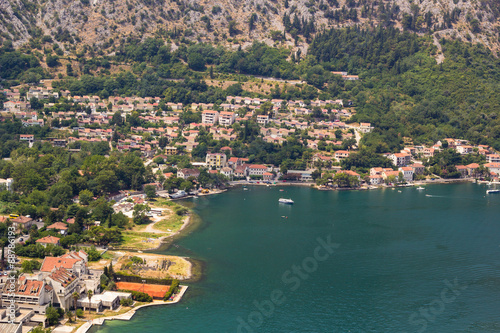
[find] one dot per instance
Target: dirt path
(439, 55)
(151, 228)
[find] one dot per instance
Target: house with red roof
(407, 173)
(376, 179)
(48, 240)
(493, 167)
(341, 154)
(472, 169)
(256, 169)
(400, 159)
(268, 176)
(462, 169)
(22, 222)
(58, 226)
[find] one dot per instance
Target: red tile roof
(27, 287)
(49, 263)
(22, 219)
(58, 226)
(48, 240)
(62, 276)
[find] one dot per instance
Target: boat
(493, 191)
(281, 190)
(286, 201)
(420, 188)
(178, 194)
(245, 189)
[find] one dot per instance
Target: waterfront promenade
(128, 315)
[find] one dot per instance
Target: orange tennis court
(153, 290)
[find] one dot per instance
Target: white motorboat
(286, 201)
(420, 188)
(492, 191)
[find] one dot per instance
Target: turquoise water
(400, 262)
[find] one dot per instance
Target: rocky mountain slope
(101, 24)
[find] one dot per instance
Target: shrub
(79, 313)
(141, 297)
(137, 260)
(126, 302)
(172, 290)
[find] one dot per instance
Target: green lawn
(170, 224)
(139, 240)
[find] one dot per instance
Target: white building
(464, 149)
(407, 173)
(227, 171)
(365, 127)
(493, 167)
(256, 170)
(262, 120)
(209, 117)
(400, 159)
(493, 158)
(226, 118)
(7, 183)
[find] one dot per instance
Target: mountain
(102, 24)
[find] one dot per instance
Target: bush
(180, 210)
(172, 290)
(79, 313)
(141, 297)
(126, 302)
(137, 260)
(94, 255)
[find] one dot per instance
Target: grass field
(139, 240)
(171, 223)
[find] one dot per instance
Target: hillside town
(159, 130)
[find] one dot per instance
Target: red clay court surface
(153, 290)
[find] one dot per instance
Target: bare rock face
(103, 23)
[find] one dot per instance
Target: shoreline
(129, 314)
(365, 187)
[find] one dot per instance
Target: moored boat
(286, 201)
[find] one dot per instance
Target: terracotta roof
(61, 275)
(48, 240)
(49, 263)
(58, 226)
(27, 287)
(257, 166)
(22, 219)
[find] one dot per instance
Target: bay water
(338, 261)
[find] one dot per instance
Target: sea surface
(352, 261)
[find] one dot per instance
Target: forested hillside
(404, 91)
